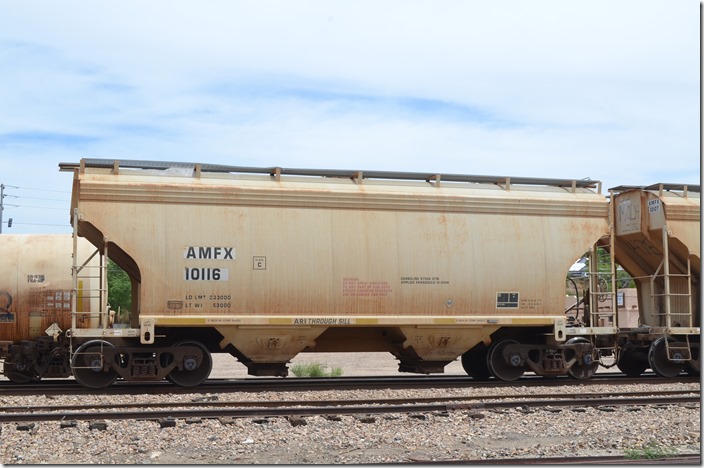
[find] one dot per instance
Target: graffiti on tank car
(6, 315)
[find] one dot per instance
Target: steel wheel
(660, 363)
(194, 370)
(475, 365)
(632, 362)
(584, 368)
(89, 366)
(692, 367)
(17, 370)
(503, 365)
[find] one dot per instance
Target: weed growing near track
(652, 451)
(315, 370)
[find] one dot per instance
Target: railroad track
(70, 386)
(264, 409)
(683, 459)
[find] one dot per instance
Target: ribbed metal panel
(420, 202)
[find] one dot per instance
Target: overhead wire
(13, 208)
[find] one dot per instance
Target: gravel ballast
(462, 434)
(465, 434)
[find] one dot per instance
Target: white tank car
(36, 299)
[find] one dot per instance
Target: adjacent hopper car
(657, 240)
(266, 263)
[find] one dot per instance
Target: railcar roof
(659, 186)
(337, 173)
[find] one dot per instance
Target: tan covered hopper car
(35, 303)
(268, 263)
(658, 238)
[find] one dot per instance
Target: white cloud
(547, 88)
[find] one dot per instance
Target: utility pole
(2, 208)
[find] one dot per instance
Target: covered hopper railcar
(265, 263)
(657, 240)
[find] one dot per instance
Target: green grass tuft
(315, 370)
(652, 451)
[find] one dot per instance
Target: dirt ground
(352, 364)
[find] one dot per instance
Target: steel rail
(208, 402)
(352, 409)
(70, 386)
(680, 459)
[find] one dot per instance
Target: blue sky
(603, 89)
